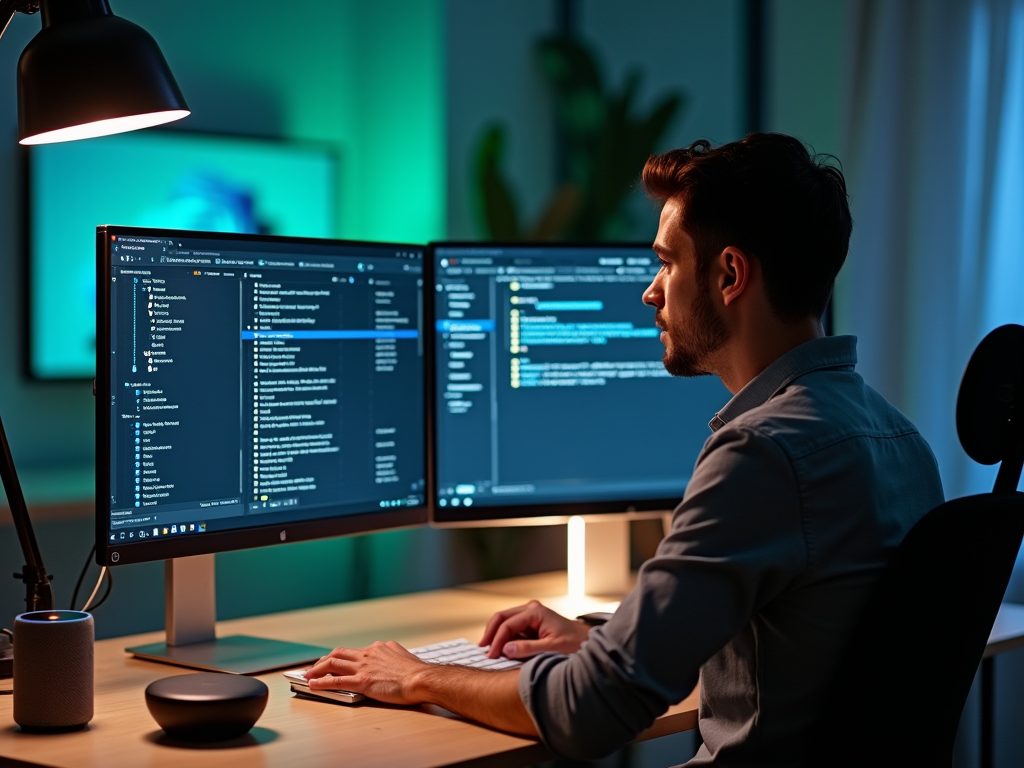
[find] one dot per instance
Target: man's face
(692, 331)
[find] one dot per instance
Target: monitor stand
(598, 562)
(191, 617)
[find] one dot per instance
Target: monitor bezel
(26, 165)
(111, 554)
(542, 513)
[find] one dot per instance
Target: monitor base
(598, 556)
(236, 655)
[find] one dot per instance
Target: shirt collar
(814, 355)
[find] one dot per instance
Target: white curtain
(934, 155)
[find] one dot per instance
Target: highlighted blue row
(251, 335)
(569, 306)
(465, 326)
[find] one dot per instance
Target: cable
(99, 581)
(9, 636)
(110, 587)
(81, 578)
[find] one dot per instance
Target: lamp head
(89, 73)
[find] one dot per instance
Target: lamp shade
(89, 73)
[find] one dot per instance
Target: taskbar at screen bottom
(234, 514)
(560, 507)
(469, 495)
(261, 533)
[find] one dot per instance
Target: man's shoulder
(822, 408)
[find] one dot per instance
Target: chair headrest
(990, 407)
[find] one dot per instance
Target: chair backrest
(902, 684)
(990, 406)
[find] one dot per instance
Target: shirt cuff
(529, 675)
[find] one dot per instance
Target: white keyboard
(460, 652)
(464, 654)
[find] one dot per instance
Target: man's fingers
(341, 653)
(524, 649)
(333, 683)
(511, 629)
(339, 658)
(496, 621)
(329, 666)
(344, 660)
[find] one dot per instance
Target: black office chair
(902, 685)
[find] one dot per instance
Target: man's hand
(529, 629)
(387, 672)
(383, 671)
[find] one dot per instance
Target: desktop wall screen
(168, 179)
(255, 390)
(550, 393)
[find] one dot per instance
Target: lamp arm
(38, 593)
(9, 7)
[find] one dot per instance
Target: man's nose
(653, 296)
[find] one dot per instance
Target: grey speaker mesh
(53, 673)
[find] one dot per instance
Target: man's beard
(690, 348)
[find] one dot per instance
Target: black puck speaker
(206, 706)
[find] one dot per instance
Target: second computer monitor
(550, 395)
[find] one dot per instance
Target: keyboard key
(462, 653)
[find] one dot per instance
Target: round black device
(206, 706)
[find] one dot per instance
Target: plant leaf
(558, 215)
(496, 205)
(569, 65)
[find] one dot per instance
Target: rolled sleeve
(737, 540)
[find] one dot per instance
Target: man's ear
(735, 275)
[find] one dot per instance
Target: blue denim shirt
(808, 482)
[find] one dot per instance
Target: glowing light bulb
(106, 127)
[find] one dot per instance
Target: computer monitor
(252, 390)
(550, 398)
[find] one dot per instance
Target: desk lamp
(87, 73)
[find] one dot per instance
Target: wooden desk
(294, 731)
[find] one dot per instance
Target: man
(807, 483)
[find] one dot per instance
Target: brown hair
(769, 197)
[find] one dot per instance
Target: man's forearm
(491, 698)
